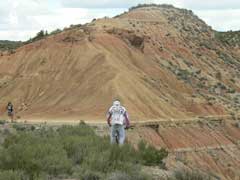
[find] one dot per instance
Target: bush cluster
(150, 155)
(9, 45)
(185, 174)
(231, 38)
(151, 5)
(71, 152)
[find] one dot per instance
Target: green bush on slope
(149, 155)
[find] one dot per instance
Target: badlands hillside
(160, 61)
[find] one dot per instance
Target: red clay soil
(160, 62)
(211, 147)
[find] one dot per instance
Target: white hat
(116, 103)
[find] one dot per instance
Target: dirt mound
(160, 61)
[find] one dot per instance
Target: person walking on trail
(118, 120)
(10, 110)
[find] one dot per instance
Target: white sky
(22, 19)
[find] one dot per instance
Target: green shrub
(91, 175)
(219, 75)
(34, 154)
(184, 174)
(12, 175)
(80, 130)
(19, 127)
(232, 80)
(56, 31)
(226, 58)
(2, 122)
(231, 38)
(230, 90)
(94, 152)
(10, 45)
(40, 35)
(111, 158)
(184, 74)
(150, 5)
(86, 174)
(150, 155)
(119, 176)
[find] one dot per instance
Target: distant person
(117, 119)
(10, 111)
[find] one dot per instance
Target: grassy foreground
(71, 152)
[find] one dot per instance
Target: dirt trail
(133, 123)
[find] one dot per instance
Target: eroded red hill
(160, 61)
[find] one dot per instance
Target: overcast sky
(22, 19)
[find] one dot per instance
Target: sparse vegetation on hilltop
(40, 35)
(231, 38)
(151, 5)
(9, 45)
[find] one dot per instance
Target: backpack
(10, 108)
(117, 113)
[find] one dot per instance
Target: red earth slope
(160, 62)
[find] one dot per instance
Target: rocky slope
(210, 146)
(229, 38)
(159, 60)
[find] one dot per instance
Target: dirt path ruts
(134, 123)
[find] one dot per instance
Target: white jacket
(117, 114)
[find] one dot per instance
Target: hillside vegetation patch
(71, 152)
